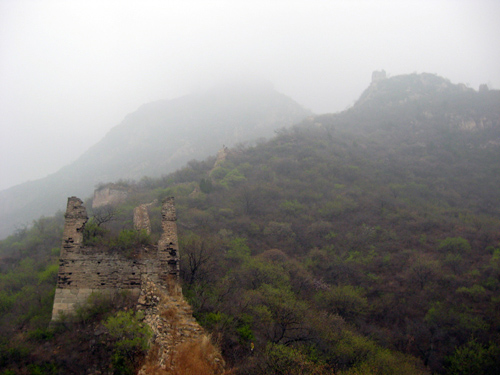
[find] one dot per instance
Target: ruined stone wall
(75, 219)
(378, 76)
(85, 270)
(98, 272)
(141, 218)
(109, 196)
(174, 329)
(221, 156)
(168, 246)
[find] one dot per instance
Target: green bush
(474, 358)
(49, 274)
(232, 178)
(93, 234)
(245, 334)
(41, 334)
(45, 369)
(129, 239)
(238, 249)
(454, 245)
(291, 207)
(139, 237)
(281, 359)
(206, 185)
(13, 354)
(216, 321)
(96, 305)
(348, 301)
(244, 329)
(131, 335)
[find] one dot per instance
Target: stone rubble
(171, 320)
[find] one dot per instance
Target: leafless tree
(104, 214)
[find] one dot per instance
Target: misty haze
(249, 187)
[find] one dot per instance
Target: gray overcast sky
(71, 70)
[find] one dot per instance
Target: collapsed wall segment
(84, 270)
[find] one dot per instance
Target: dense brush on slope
(348, 244)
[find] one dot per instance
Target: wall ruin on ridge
(141, 218)
(84, 270)
(110, 194)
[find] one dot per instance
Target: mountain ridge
(143, 145)
(155, 139)
(424, 103)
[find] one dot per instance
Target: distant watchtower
(483, 87)
(378, 76)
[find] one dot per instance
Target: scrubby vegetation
(361, 243)
(102, 336)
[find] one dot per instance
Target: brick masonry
(85, 270)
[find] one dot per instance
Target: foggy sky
(71, 70)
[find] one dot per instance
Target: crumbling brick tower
(84, 270)
(75, 219)
(168, 245)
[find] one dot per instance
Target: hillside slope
(357, 243)
(155, 140)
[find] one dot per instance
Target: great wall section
(151, 277)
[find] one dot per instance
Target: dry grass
(152, 362)
(171, 313)
(198, 357)
(173, 286)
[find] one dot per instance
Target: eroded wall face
(93, 268)
(92, 271)
(168, 246)
(141, 218)
(75, 219)
(85, 270)
(109, 196)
